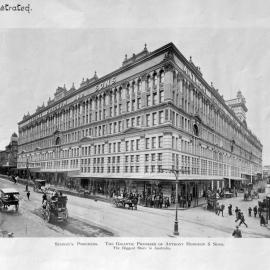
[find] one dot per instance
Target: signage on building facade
(106, 83)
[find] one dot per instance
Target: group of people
(259, 211)
(157, 201)
(54, 197)
(150, 200)
(240, 216)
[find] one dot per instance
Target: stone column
(168, 82)
(105, 164)
(107, 105)
(124, 97)
(143, 91)
(122, 158)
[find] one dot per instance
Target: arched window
(100, 101)
(139, 85)
(232, 145)
(174, 78)
(128, 86)
(195, 130)
(90, 104)
(58, 141)
(148, 80)
(133, 87)
(120, 93)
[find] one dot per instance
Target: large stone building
(121, 130)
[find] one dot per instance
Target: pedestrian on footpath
(249, 211)
(262, 220)
(221, 209)
(255, 210)
(237, 233)
(238, 215)
(260, 211)
(236, 211)
(230, 210)
(242, 220)
(28, 195)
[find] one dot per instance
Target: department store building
(120, 131)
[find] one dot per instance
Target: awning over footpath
(237, 179)
(34, 169)
(73, 174)
(150, 178)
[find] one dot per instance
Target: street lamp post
(27, 169)
(175, 172)
(176, 232)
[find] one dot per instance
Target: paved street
(91, 218)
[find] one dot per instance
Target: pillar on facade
(168, 82)
(143, 95)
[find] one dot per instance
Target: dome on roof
(239, 94)
(14, 137)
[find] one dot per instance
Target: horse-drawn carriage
(39, 185)
(123, 202)
(9, 197)
(55, 208)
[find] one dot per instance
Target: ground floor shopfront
(190, 191)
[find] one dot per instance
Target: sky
(64, 41)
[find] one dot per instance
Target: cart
(55, 209)
(39, 185)
(9, 197)
(122, 202)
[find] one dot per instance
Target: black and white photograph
(138, 120)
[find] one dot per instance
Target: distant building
(8, 157)
(120, 131)
(266, 171)
(238, 105)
